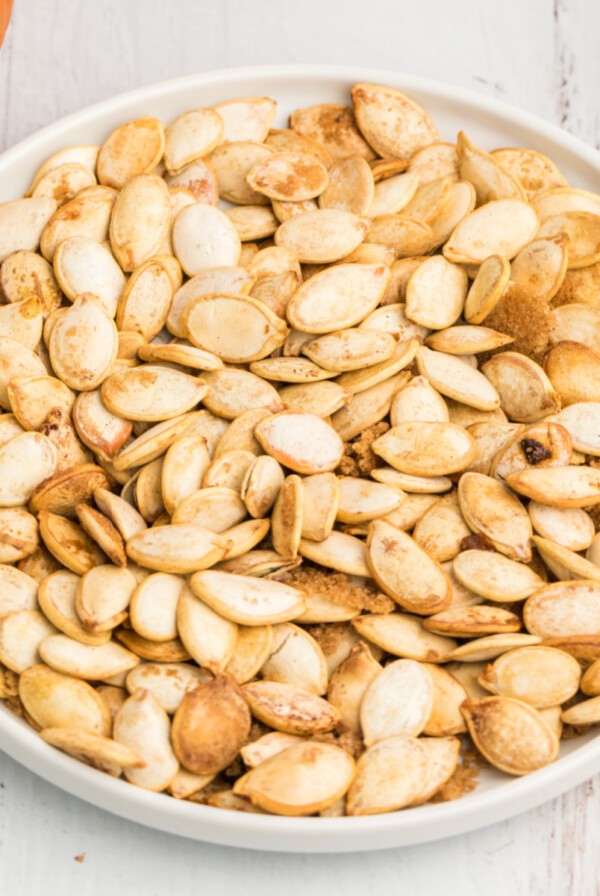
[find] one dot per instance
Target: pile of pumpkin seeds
(299, 456)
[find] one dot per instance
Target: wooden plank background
(61, 55)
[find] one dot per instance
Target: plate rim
(421, 824)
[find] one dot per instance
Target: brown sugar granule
(328, 635)
(345, 739)
(358, 459)
(580, 285)
(528, 319)
(336, 587)
(476, 543)
(15, 705)
(465, 778)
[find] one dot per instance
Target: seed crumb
(528, 319)
(336, 587)
(465, 778)
(359, 459)
(80, 858)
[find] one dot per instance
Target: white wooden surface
(60, 55)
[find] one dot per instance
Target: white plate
(491, 124)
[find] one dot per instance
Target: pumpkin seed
(103, 432)
(21, 634)
(501, 227)
(140, 220)
(452, 377)
(18, 534)
(152, 392)
(178, 548)
(16, 360)
(494, 513)
(132, 149)
(558, 486)
(288, 176)
(486, 172)
(167, 682)
(349, 683)
(391, 318)
(463, 340)
(154, 605)
(391, 122)
(152, 443)
(290, 709)
(368, 407)
(526, 393)
(403, 635)
(210, 638)
(322, 236)
(87, 214)
(33, 398)
(441, 529)
(53, 700)
(125, 518)
(25, 462)
(362, 500)
(266, 746)
(300, 780)
(207, 319)
(316, 308)
(432, 277)
(295, 658)
(397, 702)
(495, 577)
(234, 391)
(57, 595)
(389, 776)
(531, 745)
(303, 442)
(339, 551)
(142, 725)
(203, 237)
(210, 725)
(570, 528)
(62, 492)
(473, 620)
(350, 187)
(253, 222)
(426, 449)
(583, 231)
(190, 137)
(541, 446)
(585, 713)
(405, 571)
(103, 597)
(83, 265)
(574, 371)
(185, 464)
(83, 344)
(541, 676)
(154, 651)
(247, 600)
(22, 223)
(564, 609)
(99, 752)
(88, 661)
(418, 400)
(199, 179)
(350, 349)
(448, 695)
(214, 509)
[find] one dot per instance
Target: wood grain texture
(61, 55)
